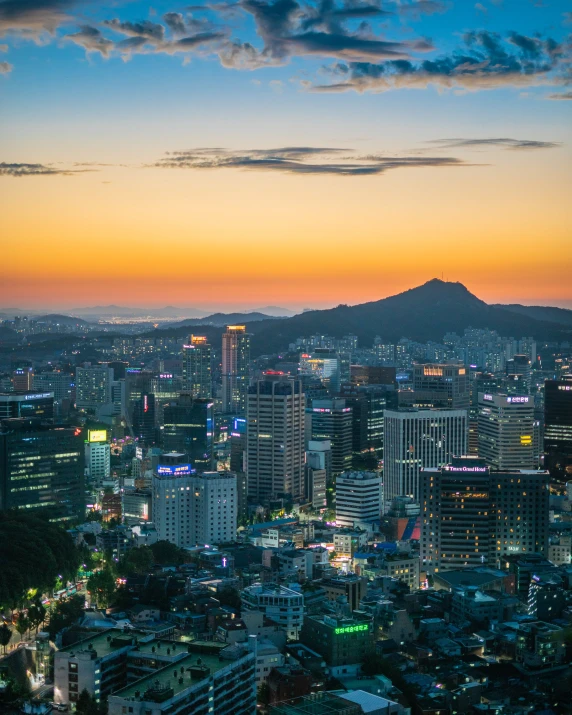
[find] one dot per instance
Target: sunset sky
(303, 154)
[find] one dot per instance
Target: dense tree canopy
(33, 552)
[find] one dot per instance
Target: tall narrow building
(506, 431)
(235, 366)
(275, 438)
(197, 376)
(419, 439)
(189, 429)
(332, 420)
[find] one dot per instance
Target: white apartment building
(282, 605)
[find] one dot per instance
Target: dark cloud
(484, 61)
(18, 170)
(91, 39)
(5, 68)
(175, 22)
(151, 30)
(298, 160)
(502, 142)
(564, 95)
(33, 16)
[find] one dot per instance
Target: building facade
(506, 431)
(197, 372)
(235, 369)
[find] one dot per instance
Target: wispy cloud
(18, 170)
(563, 95)
(299, 160)
(506, 143)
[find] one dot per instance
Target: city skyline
(159, 155)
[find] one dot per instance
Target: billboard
(173, 470)
(97, 435)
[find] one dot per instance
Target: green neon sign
(352, 629)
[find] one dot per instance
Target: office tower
(197, 377)
(419, 439)
(372, 375)
(60, 383)
(42, 468)
(319, 456)
(318, 472)
(27, 404)
(473, 516)
(93, 386)
(505, 426)
(359, 499)
(330, 366)
(189, 429)
(23, 379)
(558, 426)
(98, 456)
(368, 403)
(235, 369)
(275, 438)
(144, 419)
(332, 420)
(519, 371)
(238, 444)
(192, 508)
(442, 386)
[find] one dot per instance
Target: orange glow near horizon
(154, 237)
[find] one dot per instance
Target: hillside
(563, 316)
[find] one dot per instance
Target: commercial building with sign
(98, 456)
(558, 426)
(473, 516)
(197, 375)
(192, 508)
(26, 404)
(506, 431)
(343, 642)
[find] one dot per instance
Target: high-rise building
(275, 438)
(235, 369)
(23, 379)
(505, 429)
(144, 418)
(419, 439)
(372, 375)
(368, 403)
(359, 499)
(98, 456)
(191, 508)
(332, 420)
(558, 426)
(60, 383)
(197, 376)
(42, 468)
(519, 369)
(473, 516)
(238, 445)
(189, 429)
(93, 386)
(442, 386)
(318, 473)
(27, 404)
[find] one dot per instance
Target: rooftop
(206, 655)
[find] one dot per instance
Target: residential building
(284, 606)
(93, 386)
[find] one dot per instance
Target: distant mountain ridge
(541, 312)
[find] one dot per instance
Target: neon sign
(352, 629)
(517, 399)
(174, 470)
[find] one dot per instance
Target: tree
(164, 552)
(88, 705)
(65, 614)
(5, 636)
(136, 561)
(101, 586)
(37, 614)
(22, 624)
(264, 694)
(229, 596)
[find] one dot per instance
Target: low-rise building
(343, 642)
(285, 606)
